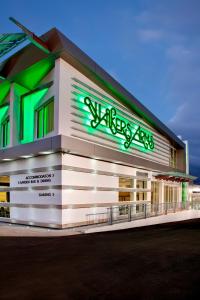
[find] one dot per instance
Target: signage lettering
(109, 118)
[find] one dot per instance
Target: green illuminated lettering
(117, 125)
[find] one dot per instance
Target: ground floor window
(125, 196)
(141, 195)
(170, 194)
(4, 197)
(154, 192)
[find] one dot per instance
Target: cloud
(171, 33)
(184, 74)
(177, 24)
(149, 35)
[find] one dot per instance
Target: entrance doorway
(170, 196)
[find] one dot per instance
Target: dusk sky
(151, 47)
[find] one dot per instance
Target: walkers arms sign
(130, 133)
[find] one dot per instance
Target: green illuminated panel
(28, 105)
(3, 112)
(184, 191)
(45, 119)
(4, 90)
(106, 119)
(31, 77)
(40, 133)
(4, 126)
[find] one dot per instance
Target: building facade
(74, 142)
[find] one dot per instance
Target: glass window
(28, 104)
(141, 184)
(45, 119)
(125, 182)
(172, 157)
(141, 195)
(171, 194)
(5, 133)
(154, 192)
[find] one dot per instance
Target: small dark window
(5, 133)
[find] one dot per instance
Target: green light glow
(3, 112)
(4, 90)
(29, 103)
(4, 130)
(31, 77)
(184, 191)
(131, 133)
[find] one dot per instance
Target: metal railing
(134, 211)
(4, 212)
(195, 204)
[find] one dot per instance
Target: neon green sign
(131, 133)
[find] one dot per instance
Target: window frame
(39, 108)
(4, 123)
(173, 157)
(21, 117)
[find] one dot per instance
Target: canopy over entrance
(176, 176)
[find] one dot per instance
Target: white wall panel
(88, 180)
(51, 215)
(88, 197)
(47, 197)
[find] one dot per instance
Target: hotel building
(74, 142)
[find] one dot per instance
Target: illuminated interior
(28, 106)
(4, 197)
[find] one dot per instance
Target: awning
(175, 176)
(9, 41)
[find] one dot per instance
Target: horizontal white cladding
(82, 214)
(26, 165)
(102, 166)
(74, 121)
(49, 196)
(89, 197)
(155, 157)
(36, 214)
(87, 179)
(81, 128)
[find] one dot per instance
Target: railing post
(166, 204)
(111, 216)
(174, 206)
(145, 210)
(156, 204)
(129, 213)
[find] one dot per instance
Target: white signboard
(36, 179)
(48, 196)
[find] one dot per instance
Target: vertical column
(56, 92)
(149, 186)
(149, 193)
(184, 193)
(62, 91)
(134, 193)
(16, 92)
(12, 119)
(161, 196)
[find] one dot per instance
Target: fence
(195, 204)
(134, 211)
(4, 212)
